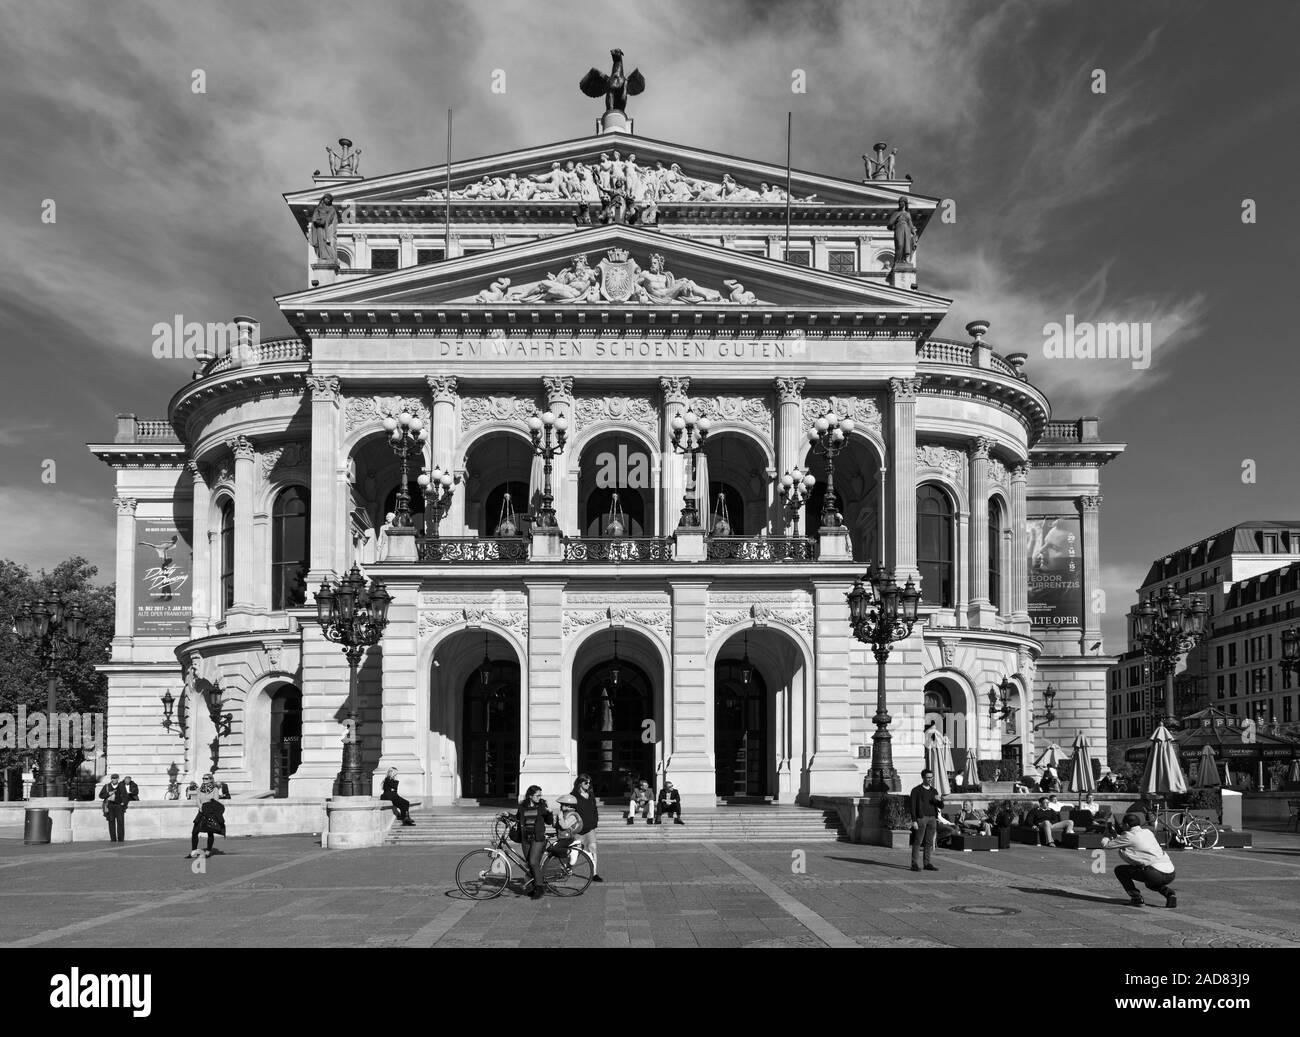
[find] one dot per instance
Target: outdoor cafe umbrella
(1163, 773)
(1052, 755)
(1081, 779)
(1207, 769)
(1293, 775)
(935, 753)
(971, 772)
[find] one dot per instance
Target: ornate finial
(614, 88)
(346, 161)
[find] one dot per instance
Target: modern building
(1241, 571)
(620, 283)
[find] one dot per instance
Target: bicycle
(486, 873)
(1196, 833)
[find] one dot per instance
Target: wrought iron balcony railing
(472, 549)
(618, 549)
(762, 549)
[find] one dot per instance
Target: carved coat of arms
(617, 275)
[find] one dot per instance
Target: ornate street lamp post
(880, 613)
(548, 432)
(1166, 627)
(689, 432)
(828, 436)
(354, 616)
(794, 490)
(438, 487)
(54, 627)
(404, 432)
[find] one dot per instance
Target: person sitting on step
(642, 802)
(670, 802)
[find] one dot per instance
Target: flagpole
(446, 248)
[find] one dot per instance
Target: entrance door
(614, 701)
(740, 730)
(491, 755)
(286, 739)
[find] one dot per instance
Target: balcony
(618, 549)
(762, 549)
(471, 549)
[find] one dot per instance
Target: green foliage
(989, 769)
(896, 812)
(1199, 799)
(81, 689)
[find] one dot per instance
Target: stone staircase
(472, 825)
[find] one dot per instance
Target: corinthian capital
(125, 505)
(241, 447)
(323, 388)
(1091, 503)
(559, 389)
(790, 390)
(443, 388)
(980, 448)
(904, 388)
(1020, 473)
(675, 388)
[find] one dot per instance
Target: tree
(22, 683)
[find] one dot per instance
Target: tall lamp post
(354, 616)
(828, 436)
(406, 431)
(689, 432)
(54, 626)
(794, 490)
(880, 613)
(548, 432)
(1166, 626)
(438, 487)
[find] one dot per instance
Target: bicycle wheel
(1201, 834)
(568, 879)
(483, 874)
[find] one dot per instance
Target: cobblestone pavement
(286, 891)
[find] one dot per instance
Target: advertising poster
(1056, 571)
(164, 571)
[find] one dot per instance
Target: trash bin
(36, 826)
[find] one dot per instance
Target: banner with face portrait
(1056, 571)
(164, 571)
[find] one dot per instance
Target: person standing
(116, 798)
(926, 805)
(132, 789)
(210, 817)
(533, 819)
(586, 808)
(670, 802)
(1144, 861)
(401, 807)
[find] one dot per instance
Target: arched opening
(935, 545)
(617, 712)
(290, 547)
(496, 465)
(858, 489)
(373, 475)
(615, 488)
(741, 735)
(733, 471)
(1007, 731)
(227, 554)
(490, 708)
(945, 708)
(995, 553)
(286, 738)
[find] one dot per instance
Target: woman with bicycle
(533, 818)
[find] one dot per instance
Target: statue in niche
(322, 226)
(904, 233)
(614, 87)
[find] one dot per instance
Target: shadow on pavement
(1047, 891)
(874, 864)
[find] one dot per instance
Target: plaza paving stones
(286, 891)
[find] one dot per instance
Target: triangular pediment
(620, 271)
(701, 178)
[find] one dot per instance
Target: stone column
(981, 607)
(124, 614)
(442, 439)
(545, 760)
(676, 391)
(1019, 561)
(400, 740)
(324, 698)
(202, 591)
(833, 770)
(242, 448)
(326, 535)
(1090, 507)
(901, 548)
(789, 432)
(690, 755)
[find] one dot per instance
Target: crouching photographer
(1144, 860)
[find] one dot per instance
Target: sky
(1115, 200)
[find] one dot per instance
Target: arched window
(227, 554)
(934, 545)
(290, 540)
(995, 554)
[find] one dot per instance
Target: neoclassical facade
(618, 642)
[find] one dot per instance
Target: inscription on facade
(513, 349)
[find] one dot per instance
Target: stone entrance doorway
(490, 760)
(740, 730)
